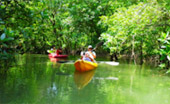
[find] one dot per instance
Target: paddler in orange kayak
(90, 55)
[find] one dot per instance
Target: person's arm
(57, 52)
(81, 57)
(93, 54)
(91, 58)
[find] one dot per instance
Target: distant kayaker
(59, 51)
(53, 49)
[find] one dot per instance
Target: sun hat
(90, 46)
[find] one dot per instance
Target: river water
(35, 79)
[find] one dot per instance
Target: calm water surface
(35, 79)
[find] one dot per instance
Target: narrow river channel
(35, 79)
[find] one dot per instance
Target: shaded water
(36, 80)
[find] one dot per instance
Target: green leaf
(2, 6)
(163, 57)
(162, 65)
(168, 57)
(49, 43)
(3, 36)
(168, 71)
(4, 45)
(8, 39)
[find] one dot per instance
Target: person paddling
(53, 49)
(59, 51)
(91, 52)
(89, 55)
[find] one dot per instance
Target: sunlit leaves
(73, 24)
(3, 36)
(138, 20)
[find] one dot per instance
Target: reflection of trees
(52, 90)
(34, 82)
(59, 83)
(24, 82)
(56, 60)
(131, 79)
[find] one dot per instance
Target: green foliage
(6, 48)
(164, 49)
(126, 26)
(138, 20)
(136, 28)
(168, 71)
(39, 24)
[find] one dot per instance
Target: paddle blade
(112, 63)
(109, 63)
(98, 45)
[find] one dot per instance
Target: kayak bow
(82, 65)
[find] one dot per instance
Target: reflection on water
(83, 78)
(59, 60)
(36, 80)
(107, 78)
(52, 90)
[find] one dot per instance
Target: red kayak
(57, 56)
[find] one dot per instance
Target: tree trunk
(53, 24)
(133, 49)
(141, 52)
(113, 56)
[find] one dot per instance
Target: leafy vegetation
(136, 28)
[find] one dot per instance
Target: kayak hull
(82, 65)
(57, 56)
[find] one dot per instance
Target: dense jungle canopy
(135, 28)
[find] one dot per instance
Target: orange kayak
(82, 65)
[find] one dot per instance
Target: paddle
(109, 63)
(51, 51)
(94, 49)
(106, 62)
(98, 45)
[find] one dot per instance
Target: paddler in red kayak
(59, 51)
(53, 49)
